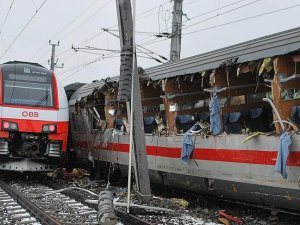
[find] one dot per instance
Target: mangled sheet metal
(260, 48)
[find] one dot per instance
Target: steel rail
(29, 206)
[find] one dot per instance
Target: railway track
(12, 210)
(26, 203)
(56, 209)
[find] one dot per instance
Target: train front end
(33, 118)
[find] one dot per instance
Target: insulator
(106, 213)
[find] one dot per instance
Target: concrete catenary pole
(52, 61)
(176, 31)
(129, 89)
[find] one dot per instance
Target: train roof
(27, 63)
(25, 68)
(272, 45)
(88, 88)
(73, 86)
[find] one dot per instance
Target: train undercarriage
(29, 152)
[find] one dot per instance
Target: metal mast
(53, 63)
(176, 31)
(129, 89)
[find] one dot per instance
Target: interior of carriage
(173, 105)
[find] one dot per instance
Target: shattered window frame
(195, 104)
(258, 97)
(290, 94)
(151, 108)
(92, 120)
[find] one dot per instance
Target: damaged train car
(208, 123)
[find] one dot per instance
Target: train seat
(260, 119)
(202, 117)
(119, 123)
(254, 120)
(232, 122)
(149, 124)
(184, 122)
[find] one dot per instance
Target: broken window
(290, 94)
(97, 117)
(151, 108)
(258, 97)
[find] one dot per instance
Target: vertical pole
(53, 64)
(129, 89)
(176, 31)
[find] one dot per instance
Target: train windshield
(30, 90)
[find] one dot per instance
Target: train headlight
(49, 128)
(7, 125)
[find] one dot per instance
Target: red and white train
(34, 118)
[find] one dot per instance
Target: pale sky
(79, 23)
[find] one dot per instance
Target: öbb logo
(30, 114)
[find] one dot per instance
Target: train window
(257, 97)
(34, 93)
(186, 105)
(237, 100)
(97, 117)
(193, 104)
(223, 101)
(151, 108)
(199, 104)
(122, 109)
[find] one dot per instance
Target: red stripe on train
(221, 155)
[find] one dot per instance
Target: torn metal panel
(268, 46)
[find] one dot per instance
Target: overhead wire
(227, 23)
(66, 26)
(140, 46)
(243, 19)
(139, 16)
(90, 17)
(70, 69)
(86, 65)
(216, 9)
(26, 25)
(149, 10)
(4, 21)
(210, 18)
(220, 14)
(85, 21)
(149, 33)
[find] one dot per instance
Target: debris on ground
(185, 208)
